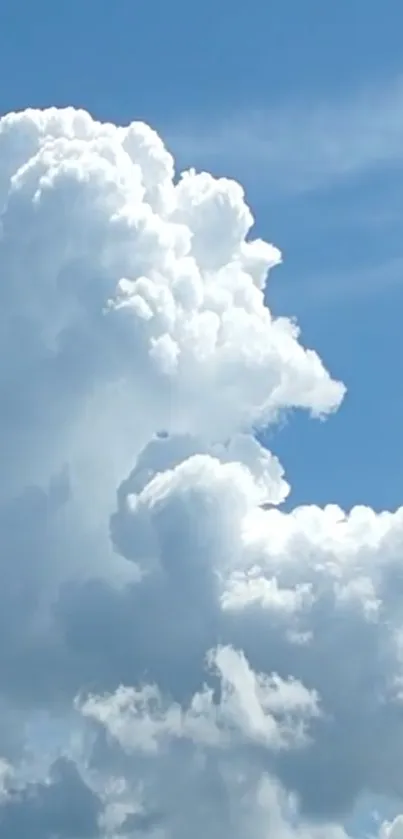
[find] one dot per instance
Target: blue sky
(302, 101)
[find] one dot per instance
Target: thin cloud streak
(365, 283)
(300, 147)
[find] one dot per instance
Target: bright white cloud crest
(180, 657)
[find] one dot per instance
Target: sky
(118, 278)
(322, 85)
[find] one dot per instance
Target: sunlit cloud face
(180, 656)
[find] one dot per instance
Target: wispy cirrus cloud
(364, 283)
(300, 146)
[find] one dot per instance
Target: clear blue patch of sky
(161, 57)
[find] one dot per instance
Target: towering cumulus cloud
(180, 658)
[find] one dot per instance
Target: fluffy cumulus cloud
(180, 656)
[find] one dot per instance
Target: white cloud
(392, 830)
(257, 708)
(141, 528)
(107, 285)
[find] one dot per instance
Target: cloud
(313, 593)
(392, 830)
(61, 805)
(301, 146)
(180, 656)
(257, 708)
(365, 283)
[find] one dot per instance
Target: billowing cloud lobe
(180, 656)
